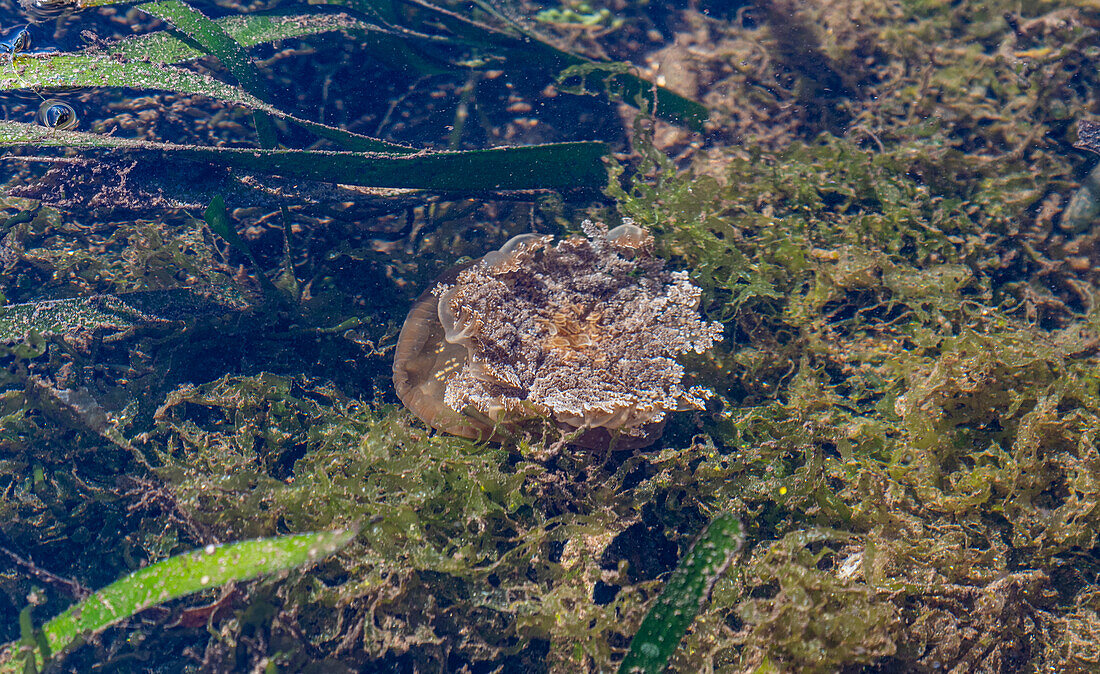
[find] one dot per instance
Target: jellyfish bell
(629, 236)
(506, 257)
(430, 350)
(424, 362)
(583, 334)
(56, 114)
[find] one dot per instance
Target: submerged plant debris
(885, 211)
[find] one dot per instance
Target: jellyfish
(583, 334)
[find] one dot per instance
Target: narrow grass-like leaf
(177, 577)
(552, 166)
(619, 83)
(247, 29)
(214, 39)
(211, 37)
(217, 217)
(526, 51)
(685, 593)
(67, 70)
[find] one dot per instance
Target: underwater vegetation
(169, 579)
(687, 589)
(874, 205)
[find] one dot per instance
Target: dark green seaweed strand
(213, 38)
(687, 590)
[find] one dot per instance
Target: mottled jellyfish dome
(583, 333)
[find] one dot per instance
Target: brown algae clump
(584, 333)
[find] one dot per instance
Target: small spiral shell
(56, 114)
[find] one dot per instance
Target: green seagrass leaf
(217, 217)
(192, 23)
(551, 166)
(67, 70)
(214, 39)
(170, 579)
(248, 30)
(630, 88)
(687, 589)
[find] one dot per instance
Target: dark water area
(794, 367)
